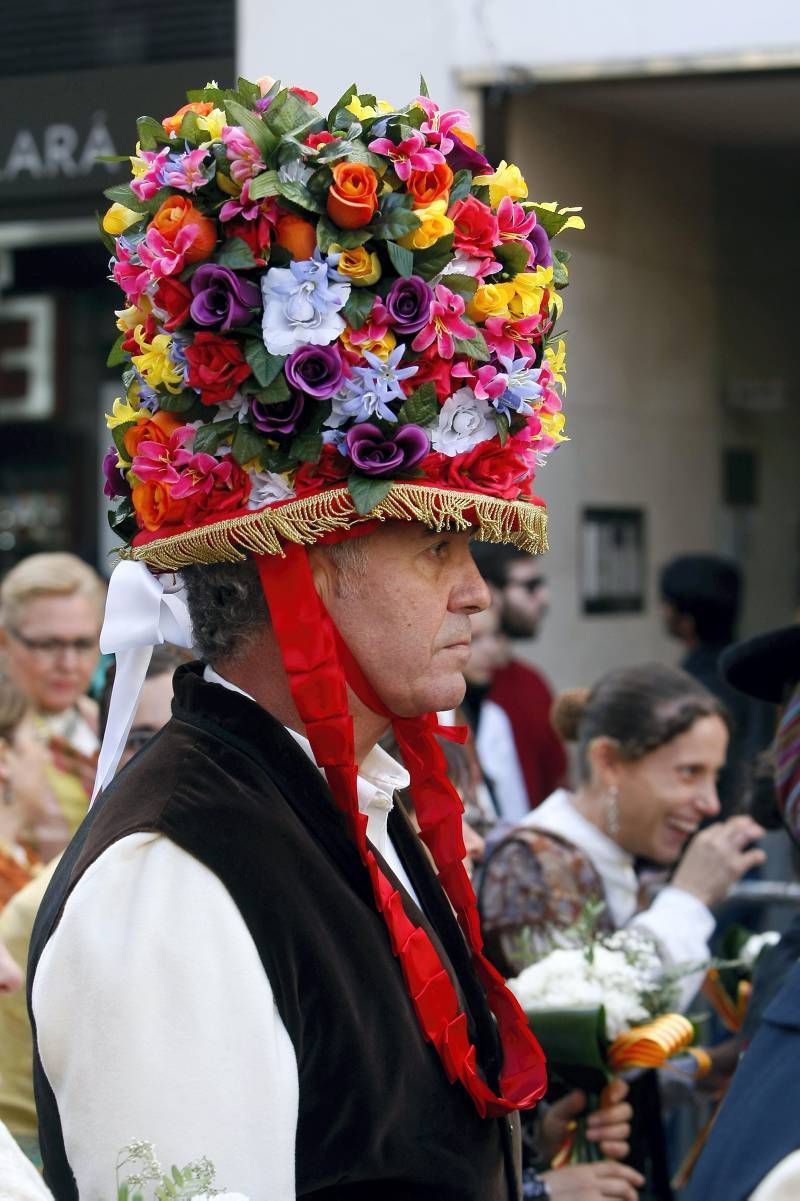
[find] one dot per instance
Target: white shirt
(497, 755)
(167, 1030)
(678, 921)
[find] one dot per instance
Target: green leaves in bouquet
(253, 126)
(560, 272)
(328, 234)
(236, 254)
(265, 184)
(265, 366)
(188, 404)
(462, 182)
(574, 1042)
(421, 407)
(298, 194)
(275, 392)
(151, 133)
(118, 433)
(122, 521)
(551, 221)
(474, 347)
(208, 437)
(123, 193)
(513, 256)
(401, 257)
(306, 448)
(290, 114)
(395, 217)
(428, 263)
(247, 444)
(366, 491)
(341, 105)
(116, 354)
(462, 285)
(358, 307)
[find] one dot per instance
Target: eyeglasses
(51, 648)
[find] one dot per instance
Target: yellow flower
(553, 425)
(365, 112)
(361, 266)
(213, 123)
(382, 347)
(571, 222)
(226, 184)
(134, 315)
(490, 300)
(138, 165)
(557, 361)
(122, 411)
(155, 364)
(528, 291)
(506, 181)
(434, 224)
(118, 218)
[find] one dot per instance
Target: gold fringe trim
(310, 518)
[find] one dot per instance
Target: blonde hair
(56, 574)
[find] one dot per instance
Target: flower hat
(327, 321)
(331, 322)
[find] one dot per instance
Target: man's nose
(472, 593)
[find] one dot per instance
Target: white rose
(266, 487)
(464, 421)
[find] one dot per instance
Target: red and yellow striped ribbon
(651, 1045)
(731, 1013)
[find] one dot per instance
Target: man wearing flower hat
(336, 336)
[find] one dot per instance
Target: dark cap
(763, 666)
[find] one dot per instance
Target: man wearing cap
(754, 1147)
(245, 953)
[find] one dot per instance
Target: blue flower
(522, 385)
(302, 304)
(370, 390)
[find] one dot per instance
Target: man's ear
(324, 571)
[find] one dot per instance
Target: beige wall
(642, 403)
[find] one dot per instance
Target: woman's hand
(609, 1126)
(717, 857)
(594, 1182)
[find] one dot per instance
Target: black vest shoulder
(377, 1117)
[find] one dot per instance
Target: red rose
(476, 229)
(315, 140)
(231, 490)
(173, 298)
(304, 94)
(489, 467)
(257, 234)
(431, 367)
(332, 468)
(148, 332)
(216, 367)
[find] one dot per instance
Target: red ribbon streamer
(318, 665)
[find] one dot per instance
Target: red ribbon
(318, 665)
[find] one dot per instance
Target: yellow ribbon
(651, 1045)
(731, 1013)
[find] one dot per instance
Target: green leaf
(253, 126)
(116, 354)
(208, 437)
(428, 263)
(423, 87)
(552, 222)
(560, 272)
(118, 433)
(235, 253)
(342, 102)
(188, 404)
(290, 113)
(462, 285)
(502, 423)
(121, 193)
(151, 133)
(190, 130)
(328, 234)
(247, 444)
(421, 407)
(367, 492)
(574, 1042)
(475, 347)
(307, 448)
(358, 307)
(394, 222)
(275, 391)
(402, 259)
(462, 182)
(513, 256)
(357, 152)
(265, 184)
(249, 92)
(297, 193)
(265, 366)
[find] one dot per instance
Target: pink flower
(243, 154)
(411, 154)
(130, 277)
(444, 323)
(489, 382)
(188, 171)
(159, 462)
(147, 184)
(513, 221)
(199, 474)
(508, 338)
(166, 258)
(439, 124)
(249, 209)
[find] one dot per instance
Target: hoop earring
(612, 811)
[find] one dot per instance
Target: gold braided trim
(310, 518)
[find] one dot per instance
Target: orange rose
(154, 506)
(177, 212)
(427, 186)
(297, 236)
(353, 197)
(201, 107)
(155, 428)
(465, 136)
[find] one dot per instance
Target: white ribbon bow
(141, 612)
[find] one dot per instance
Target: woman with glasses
(51, 609)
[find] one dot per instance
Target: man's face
(407, 619)
(526, 599)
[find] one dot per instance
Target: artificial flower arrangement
(321, 302)
(600, 1004)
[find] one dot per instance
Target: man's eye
(440, 548)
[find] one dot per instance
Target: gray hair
(227, 606)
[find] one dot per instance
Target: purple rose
(542, 255)
(408, 303)
(281, 418)
(221, 297)
(116, 484)
(463, 156)
(317, 370)
(375, 453)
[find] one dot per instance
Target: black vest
(378, 1118)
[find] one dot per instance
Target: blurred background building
(675, 126)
